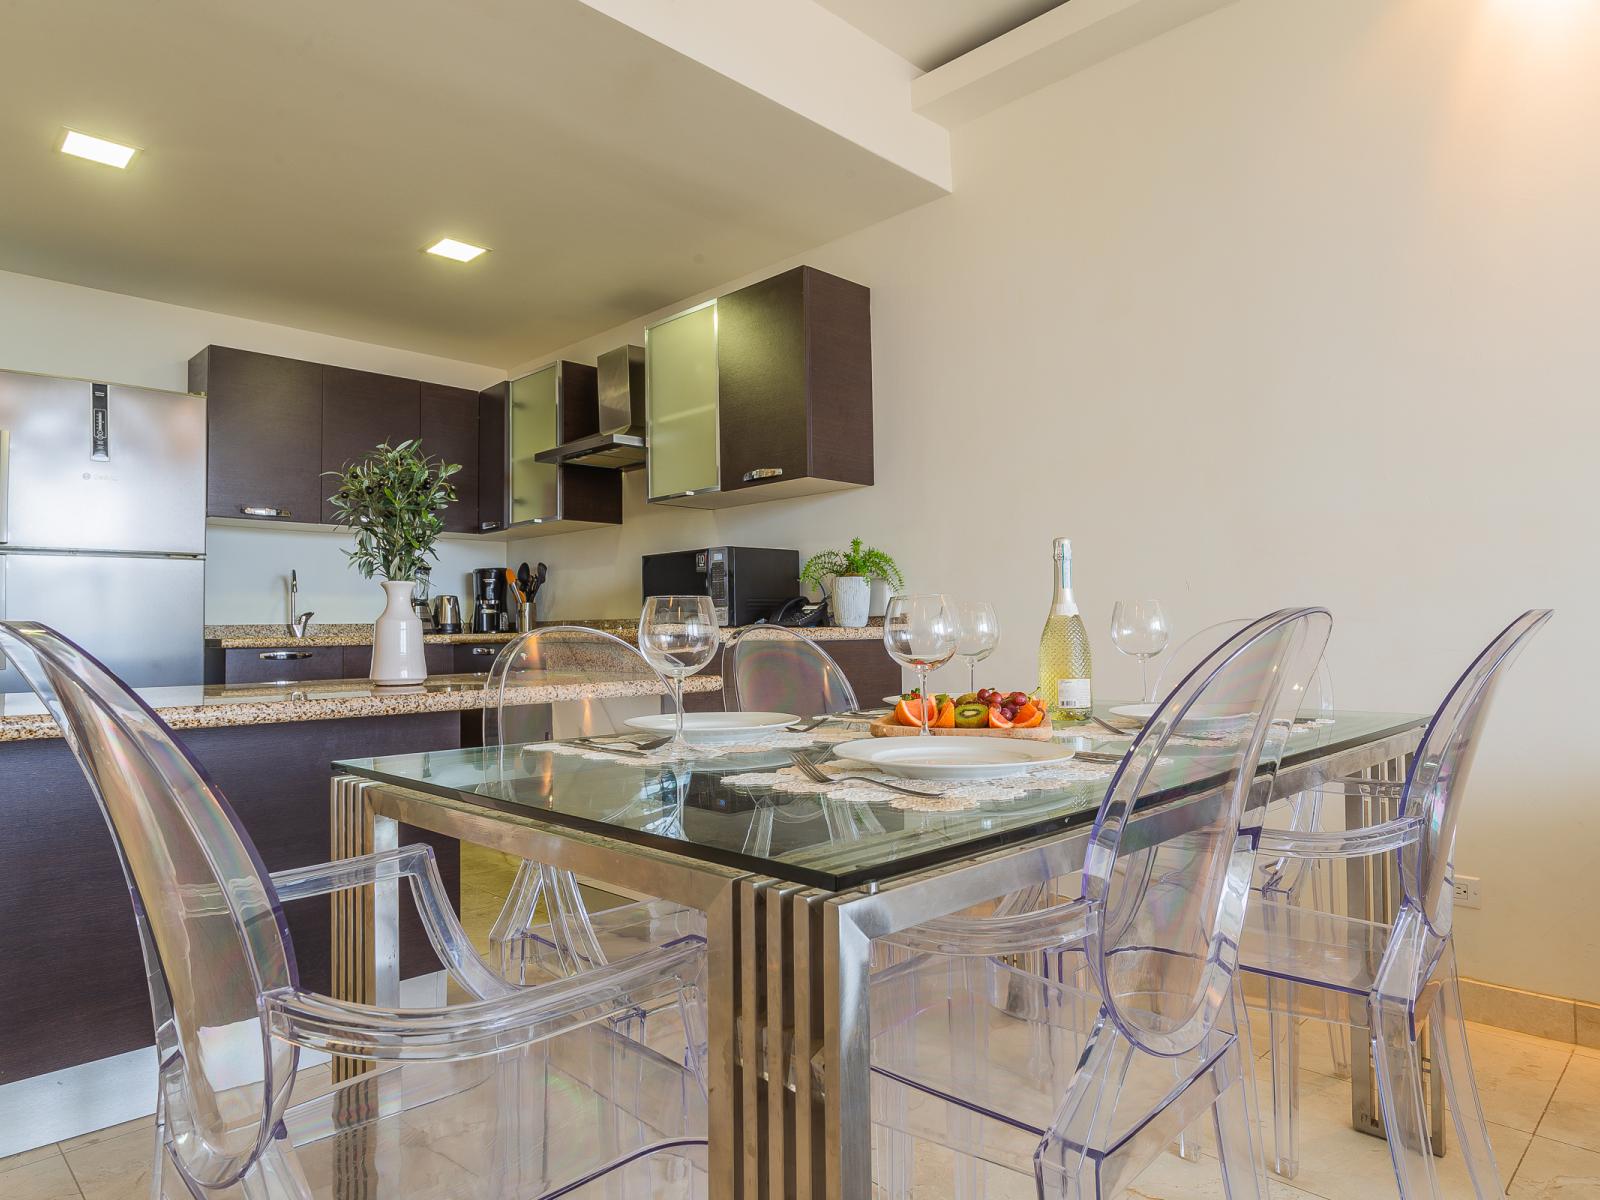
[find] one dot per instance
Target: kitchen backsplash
(247, 574)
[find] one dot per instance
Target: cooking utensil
(525, 581)
(539, 573)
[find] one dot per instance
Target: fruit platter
(983, 713)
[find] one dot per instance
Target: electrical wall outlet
(1469, 891)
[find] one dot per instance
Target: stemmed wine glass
(920, 632)
(678, 636)
(1139, 628)
(979, 634)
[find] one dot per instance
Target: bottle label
(1073, 693)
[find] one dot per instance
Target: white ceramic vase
(397, 655)
(852, 600)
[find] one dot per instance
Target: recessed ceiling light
(460, 251)
(81, 145)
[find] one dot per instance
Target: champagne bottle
(1065, 667)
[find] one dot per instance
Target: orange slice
(909, 712)
(947, 716)
(1030, 721)
(997, 720)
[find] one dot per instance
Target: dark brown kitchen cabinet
(449, 431)
(283, 664)
(769, 398)
(263, 434)
(361, 410)
(476, 658)
(492, 406)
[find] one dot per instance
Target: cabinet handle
(283, 655)
(484, 526)
(254, 510)
(762, 473)
(481, 650)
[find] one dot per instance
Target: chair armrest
(481, 1027)
(1052, 928)
(1348, 843)
(417, 865)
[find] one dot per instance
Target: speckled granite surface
(262, 637)
(22, 718)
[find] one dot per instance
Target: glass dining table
(795, 879)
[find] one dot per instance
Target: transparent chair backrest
(1316, 694)
(1301, 812)
(1170, 888)
(602, 680)
(768, 668)
(1439, 771)
(209, 922)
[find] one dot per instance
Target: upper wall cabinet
(762, 394)
(448, 427)
(556, 404)
(276, 424)
(361, 410)
(263, 434)
(493, 403)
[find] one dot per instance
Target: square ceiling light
(83, 145)
(459, 251)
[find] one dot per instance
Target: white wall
(59, 329)
(1295, 304)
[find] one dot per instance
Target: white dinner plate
(951, 757)
(1194, 721)
(715, 726)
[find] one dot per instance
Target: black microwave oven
(746, 584)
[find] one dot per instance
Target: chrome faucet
(299, 623)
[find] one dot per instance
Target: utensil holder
(527, 616)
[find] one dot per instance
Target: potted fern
(391, 499)
(851, 573)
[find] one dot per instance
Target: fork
(806, 725)
(812, 772)
(630, 749)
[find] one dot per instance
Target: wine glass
(1139, 628)
(678, 636)
(979, 634)
(920, 632)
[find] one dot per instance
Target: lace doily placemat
(953, 795)
(942, 795)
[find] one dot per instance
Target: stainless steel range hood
(620, 444)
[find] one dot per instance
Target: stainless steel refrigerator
(103, 522)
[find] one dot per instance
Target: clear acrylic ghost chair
(1284, 878)
(1082, 1087)
(546, 928)
(1390, 978)
(514, 1093)
(770, 668)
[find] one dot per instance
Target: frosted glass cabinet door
(533, 428)
(681, 401)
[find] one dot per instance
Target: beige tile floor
(1542, 1100)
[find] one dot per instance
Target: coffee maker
(488, 599)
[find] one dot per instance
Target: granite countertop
(263, 637)
(213, 706)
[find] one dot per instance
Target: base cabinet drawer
(358, 660)
(283, 664)
(470, 659)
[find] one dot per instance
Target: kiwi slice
(967, 698)
(972, 716)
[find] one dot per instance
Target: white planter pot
(852, 600)
(397, 655)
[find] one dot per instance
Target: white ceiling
(930, 33)
(297, 154)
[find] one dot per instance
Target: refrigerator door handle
(5, 482)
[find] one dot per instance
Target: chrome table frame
(787, 1006)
